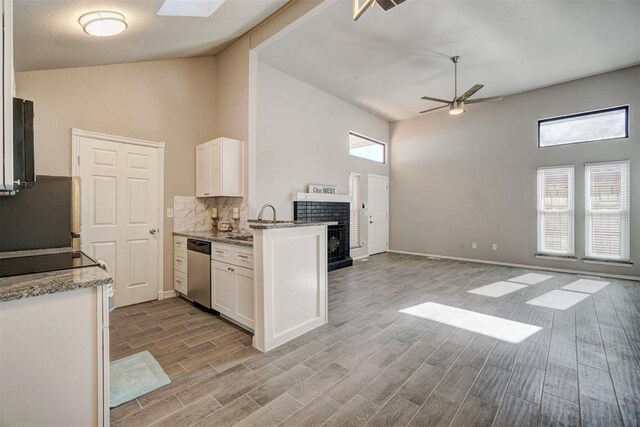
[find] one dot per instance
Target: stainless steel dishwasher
(199, 271)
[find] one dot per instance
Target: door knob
(153, 231)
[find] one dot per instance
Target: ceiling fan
(359, 9)
(456, 106)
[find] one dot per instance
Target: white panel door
(119, 185)
(378, 229)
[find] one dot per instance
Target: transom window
(610, 123)
(367, 148)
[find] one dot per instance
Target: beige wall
(472, 178)
(170, 101)
(302, 139)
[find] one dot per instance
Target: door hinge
(78, 160)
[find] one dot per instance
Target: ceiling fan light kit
(456, 108)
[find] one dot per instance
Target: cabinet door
(244, 296)
(203, 171)
(223, 289)
(216, 166)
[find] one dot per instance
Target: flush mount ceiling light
(103, 23)
(190, 8)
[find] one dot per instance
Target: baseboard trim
(532, 267)
(167, 294)
(360, 257)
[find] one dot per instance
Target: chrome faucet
(262, 211)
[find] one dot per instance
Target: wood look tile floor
(376, 366)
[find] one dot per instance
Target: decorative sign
(322, 189)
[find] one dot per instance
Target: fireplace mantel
(314, 197)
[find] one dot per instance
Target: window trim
(587, 113)
(590, 258)
(571, 256)
(375, 141)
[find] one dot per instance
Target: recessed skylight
(193, 8)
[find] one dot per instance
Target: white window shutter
(607, 211)
(556, 211)
(354, 217)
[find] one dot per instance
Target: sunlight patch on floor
(531, 278)
(586, 285)
(558, 300)
(491, 326)
(497, 289)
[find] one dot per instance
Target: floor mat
(134, 376)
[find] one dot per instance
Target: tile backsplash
(194, 214)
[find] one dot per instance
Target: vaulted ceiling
(386, 61)
(47, 33)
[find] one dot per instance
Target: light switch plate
(169, 212)
(474, 245)
(494, 246)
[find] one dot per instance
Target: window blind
(607, 211)
(556, 210)
(354, 216)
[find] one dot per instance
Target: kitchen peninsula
(290, 280)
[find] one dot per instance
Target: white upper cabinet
(6, 150)
(219, 168)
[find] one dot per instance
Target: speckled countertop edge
(32, 285)
(212, 236)
(33, 252)
(268, 226)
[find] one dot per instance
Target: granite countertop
(214, 236)
(267, 225)
(31, 285)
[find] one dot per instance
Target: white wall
(472, 178)
(302, 138)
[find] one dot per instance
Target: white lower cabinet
(223, 292)
(232, 288)
(180, 264)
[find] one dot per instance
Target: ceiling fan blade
(469, 93)
(428, 98)
(434, 109)
(491, 98)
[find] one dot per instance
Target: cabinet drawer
(180, 262)
(244, 259)
(180, 245)
(232, 254)
(180, 281)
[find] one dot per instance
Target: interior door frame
(76, 134)
(386, 178)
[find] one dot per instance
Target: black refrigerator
(45, 216)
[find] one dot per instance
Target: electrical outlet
(169, 212)
(494, 246)
(474, 245)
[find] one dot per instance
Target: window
(584, 127)
(354, 214)
(367, 148)
(556, 211)
(607, 211)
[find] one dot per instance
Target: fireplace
(338, 249)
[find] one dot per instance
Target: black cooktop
(43, 263)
